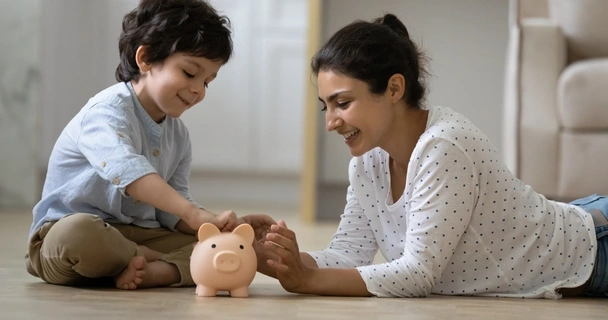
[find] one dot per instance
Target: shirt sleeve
(353, 243)
(180, 182)
(105, 140)
(440, 208)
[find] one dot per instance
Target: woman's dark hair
(373, 52)
(192, 27)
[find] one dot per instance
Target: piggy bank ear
(206, 231)
(244, 231)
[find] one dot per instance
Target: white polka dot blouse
(464, 225)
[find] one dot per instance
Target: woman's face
(351, 110)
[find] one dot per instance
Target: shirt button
(121, 135)
(116, 181)
(156, 152)
(103, 164)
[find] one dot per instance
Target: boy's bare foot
(149, 254)
(141, 274)
(133, 275)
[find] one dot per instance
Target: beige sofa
(556, 96)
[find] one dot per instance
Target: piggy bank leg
(241, 292)
(203, 291)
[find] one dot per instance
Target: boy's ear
(140, 58)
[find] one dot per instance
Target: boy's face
(176, 85)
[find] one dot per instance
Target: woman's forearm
(332, 282)
(308, 260)
(335, 282)
(266, 270)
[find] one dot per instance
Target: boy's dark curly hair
(192, 27)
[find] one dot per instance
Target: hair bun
(391, 21)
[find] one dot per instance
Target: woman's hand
(261, 224)
(291, 272)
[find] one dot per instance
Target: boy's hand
(196, 219)
(227, 221)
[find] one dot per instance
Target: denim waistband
(599, 219)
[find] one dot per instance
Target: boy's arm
(105, 140)
(179, 181)
(153, 190)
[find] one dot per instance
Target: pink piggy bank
(223, 261)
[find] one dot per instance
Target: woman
(430, 192)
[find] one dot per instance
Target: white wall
(79, 54)
(466, 41)
(247, 134)
(19, 87)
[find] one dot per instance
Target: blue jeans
(598, 287)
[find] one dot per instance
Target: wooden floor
(25, 297)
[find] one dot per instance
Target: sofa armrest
(533, 9)
(537, 55)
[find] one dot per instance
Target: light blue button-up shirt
(109, 144)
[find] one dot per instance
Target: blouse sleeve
(354, 243)
(105, 140)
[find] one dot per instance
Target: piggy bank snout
(226, 261)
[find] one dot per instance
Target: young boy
(115, 203)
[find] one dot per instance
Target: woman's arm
(335, 282)
(438, 216)
(265, 255)
(298, 273)
(354, 243)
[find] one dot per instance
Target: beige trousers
(82, 249)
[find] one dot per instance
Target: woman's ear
(140, 58)
(396, 87)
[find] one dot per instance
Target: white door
(251, 119)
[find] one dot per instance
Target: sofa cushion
(582, 95)
(584, 23)
(582, 169)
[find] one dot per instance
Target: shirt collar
(142, 114)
